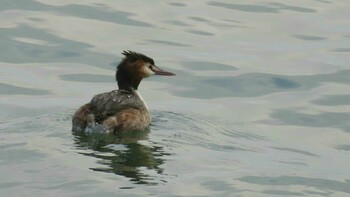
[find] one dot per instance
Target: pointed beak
(159, 71)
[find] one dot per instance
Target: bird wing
(109, 103)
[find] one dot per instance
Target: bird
(123, 109)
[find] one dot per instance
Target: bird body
(123, 109)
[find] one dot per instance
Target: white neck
(143, 101)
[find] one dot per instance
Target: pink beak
(159, 71)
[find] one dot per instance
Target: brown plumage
(122, 109)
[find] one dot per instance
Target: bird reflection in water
(124, 155)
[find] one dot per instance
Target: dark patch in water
(208, 66)
(308, 37)
(339, 120)
(57, 50)
(7, 89)
(343, 147)
(295, 151)
(344, 50)
(202, 33)
(89, 78)
(67, 54)
(177, 23)
(320, 184)
(282, 193)
(248, 85)
(168, 43)
(284, 83)
(177, 4)
(271, 8)
(333, 100)
(199, 19)
(81, 11)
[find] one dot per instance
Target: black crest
(133, 56)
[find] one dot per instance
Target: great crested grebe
(123, 109)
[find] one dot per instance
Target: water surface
(259, 106)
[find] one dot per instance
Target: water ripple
(339, 120)
(56, 48)
(204, 132)
(309, 37)
(333, 100)
(82, 11)
(7, 89)
(271, 8)
(320, 184)
(251, 84)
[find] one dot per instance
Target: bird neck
(128, 82)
